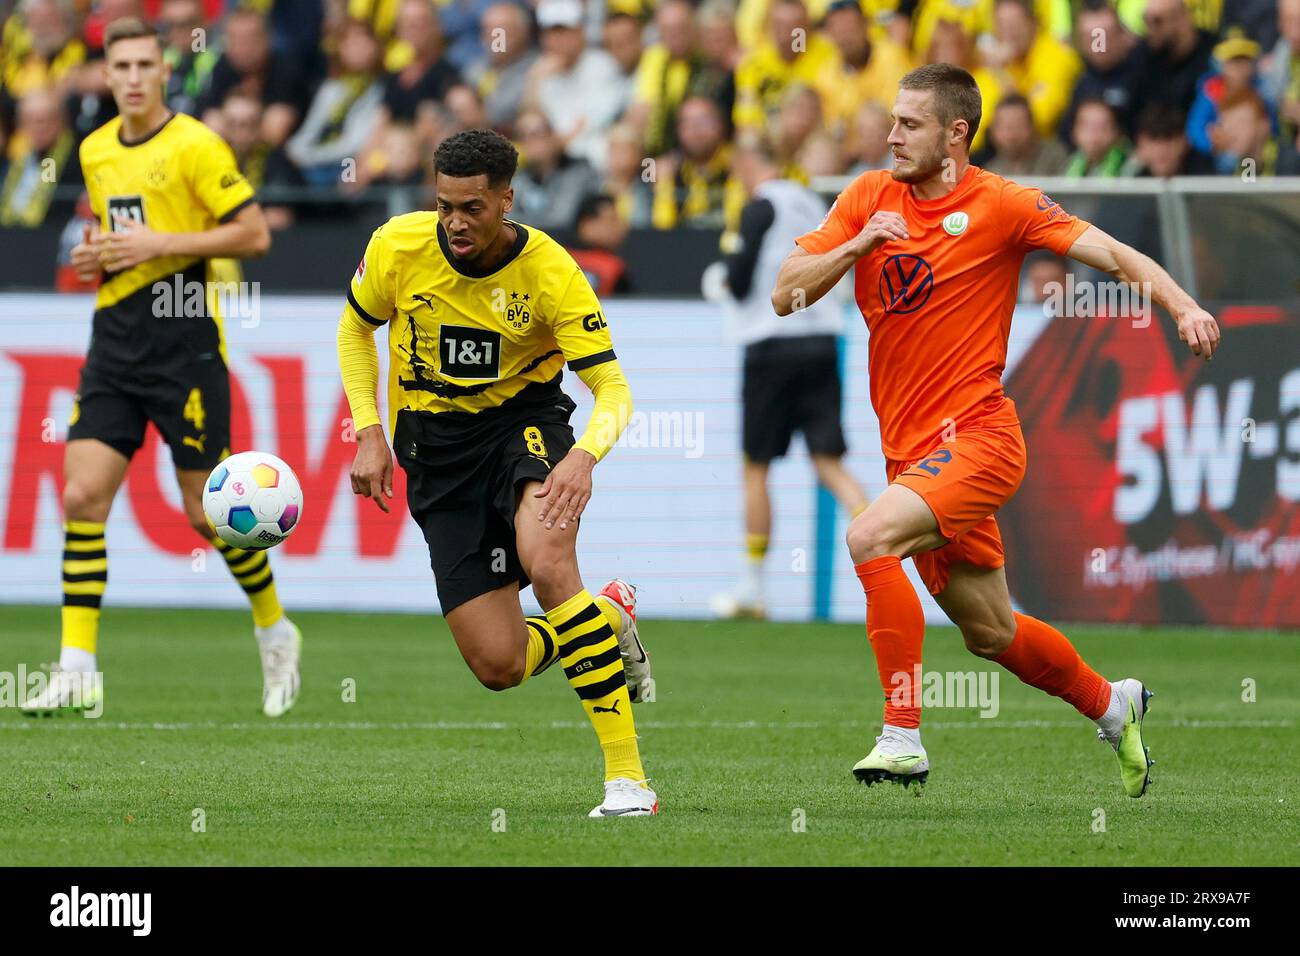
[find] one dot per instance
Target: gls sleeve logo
(594, 322)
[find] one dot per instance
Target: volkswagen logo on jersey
(906, 282)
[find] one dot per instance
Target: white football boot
(66, 692)
(895, 758)
(1121, 727)
(280, 646)
(625, 797)
(636, 662)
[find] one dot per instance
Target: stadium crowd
(626, 112)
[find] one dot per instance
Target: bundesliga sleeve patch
(361, 272)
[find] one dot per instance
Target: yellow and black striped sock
(85, 575)
(756, 547)
(589, 653)
(252, 569)
(543, 647)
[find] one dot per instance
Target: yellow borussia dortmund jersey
(466, 341)
(181, 178)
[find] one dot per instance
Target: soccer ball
(253, 500)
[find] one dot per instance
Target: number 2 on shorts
(942, 456)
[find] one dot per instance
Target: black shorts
(464, 494)
(790, 385)
(188, 401)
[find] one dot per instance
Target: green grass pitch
(749, 745)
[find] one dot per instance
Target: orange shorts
(964, 481)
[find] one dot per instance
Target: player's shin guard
(252, 570)
(588, 650)
(896, 629)
(1043, 657)
(85, 575)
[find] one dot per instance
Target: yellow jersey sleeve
(216, 181)
(372, 294)
(579, 325)
(613, 408)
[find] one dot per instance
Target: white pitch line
(69, 723)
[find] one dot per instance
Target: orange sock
(1043, 657)
(896, 629)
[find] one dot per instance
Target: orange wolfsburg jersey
(938, 305)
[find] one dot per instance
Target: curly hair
(476, 152)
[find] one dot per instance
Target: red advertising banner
(1160, 488)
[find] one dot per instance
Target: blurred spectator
(799, 117)
(600, 234)
(344, 112)
(461, 20)
(551, 183)
(718, 41)
(1017, 149)
(1162, 149)
(93, 105)
(500, 77)
(1282, 81)
(577, 87)
(381, 16)
(950, 44)
(1028, 60)
(694, 185)
(187, 54)
(1112, 63)
(404, 154)
(428, 75)
(790, 53)
(246, 65)
(670, 71)
(621, 39)
(866, 71)
(1175, 56)
(39, 49)
(413, 94)
(820, 155)
(261, 163)
(41, 159)
(1256, 19)
(870, 140)
(466, 109)
(626, 179)
(1101, 150)
(1043, 277)
(1242, 137)
(1235, 58)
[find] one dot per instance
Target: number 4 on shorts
(194, 409)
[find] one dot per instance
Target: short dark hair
(592, 205)
(477, 152)
(129, 28)
(1013, 101)
(1162, 121)
(1096, 6)
(1097, 99)
(956, 95)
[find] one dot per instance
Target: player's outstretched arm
(372, 469)
(806, 277)
(244, 236)
(567, 488)
(1107, 254)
